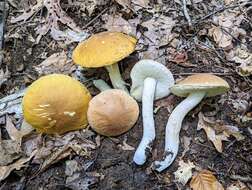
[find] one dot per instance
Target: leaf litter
(164, 36)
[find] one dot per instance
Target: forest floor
(187, 36)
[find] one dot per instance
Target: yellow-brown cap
(55, 104)
(112, 112)
(102, 49)
(211, 84)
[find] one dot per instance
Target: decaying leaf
(158, 34)
(141, 3)
(237, 186)
(217, 131)
(205, 180)
(180, 58)
(55, 15)
(244, 58)
(57, 148)
(125, 146)
(184, 172)
(4, 76)
(227, 27)
(211, 134)
(118, 24)
(10, 149)
(6, 170)
(12, 104)
(56, 63)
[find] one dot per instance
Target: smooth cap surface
(211, 84)
(55, 104)
(149, 68)
(105, 48)
(112, 112)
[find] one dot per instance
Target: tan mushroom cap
(209, 83)
(112, 112)
(102, 49)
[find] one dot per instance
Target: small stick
(187, 16)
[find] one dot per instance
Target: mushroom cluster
(56, 103)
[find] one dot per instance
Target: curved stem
(115, 77)
(101, 85)
(173, 127)
(148, 121)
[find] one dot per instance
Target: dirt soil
(113, 165)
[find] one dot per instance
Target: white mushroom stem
(148, 121)
(173, 127)
(101, 85)
(115, 77)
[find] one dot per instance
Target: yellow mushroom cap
(55, 104)
(112, 112)
(102, 49)
(208, 83)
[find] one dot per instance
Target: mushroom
(55, 104)
(150, 81)
(195, 88)
(112, 112)
(105, 50)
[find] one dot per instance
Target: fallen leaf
(210, 132)
(205, 180)
(244, 58)
(142, 3)
(125, 146)
(180, 58)
(6, 170)
(124, 3)
(27, 15)
(56, 63)
(212, 126)
(237, 186)
(4, 76)
(117, 24)
(58, 148)
(184, 172)
(227, 26)
(158, 33)
(72, 166)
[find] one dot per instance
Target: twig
(95, 18)
(241, 178)
(187, 16)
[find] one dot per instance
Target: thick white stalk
(115, 77)
(148, 121)
(101, 85)
(173, 127)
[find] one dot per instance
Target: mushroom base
(173, 128)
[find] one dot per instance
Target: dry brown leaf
(57, 148)
(118, 24)
(184, 172)
(6, 170)
(228, 27)
(56, 63)
(244, 58)
(141, 3)
(159, 33)
(180, 58)
(205, 180)
(55, 15)
(210, 132)
(217, 131)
